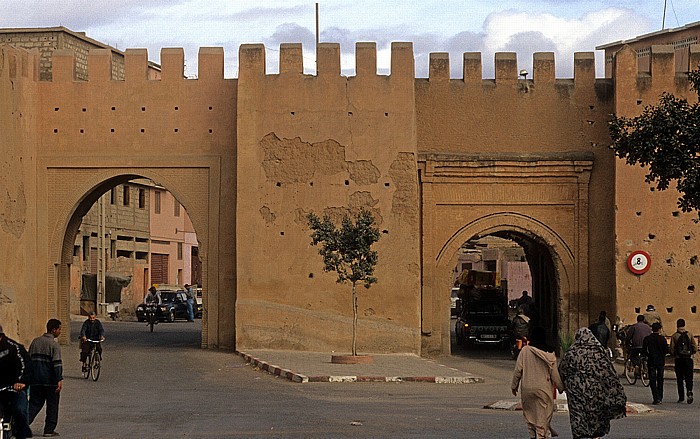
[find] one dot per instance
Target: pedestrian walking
(683, 347)
(593, 390)
(15, 373)
(189, 292)
(47, 379)
(537, 376)
(656, 349)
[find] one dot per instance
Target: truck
(483, 317)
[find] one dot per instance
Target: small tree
(665, 137)
(347, 251)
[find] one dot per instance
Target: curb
(274, 370)
(299, 378)
(562, 406)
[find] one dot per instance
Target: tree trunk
(354, 319)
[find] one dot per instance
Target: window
(142, 198)
(156, 202)
(177, 208)
(490, 265)
(112, 195)
(126, 195)
(86, 248)
(179, 251)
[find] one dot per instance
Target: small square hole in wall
(669, 309)
(676, 213)
(347, 182)
(281, 233)
(652, 189)
(694, 309)
(386, 184)
(210, 131)
(82, 131)
(292, 113)
(349, 113)
(637, 309)
(311, 275)
(211, 108)
(175, 130)
(639, 213)
(143, 130)
(386, 114)
(55, 130)
(639, 102)
(114, 108)
(143, 108)
(84, 110)
(177, 108)
(112, 130)
(691, 288)
(652, 236)
(687, 237)
(278, 184)
(55, 109)
(385, 231)
(311, 183)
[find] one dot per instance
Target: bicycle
(151, 315)
(636, 367)
(93, 362)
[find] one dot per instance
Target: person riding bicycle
(15, 374)
(635, 338)
(92, 329)
(153, 297)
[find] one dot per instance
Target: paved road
(160, 385)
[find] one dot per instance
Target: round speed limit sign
(638, 262)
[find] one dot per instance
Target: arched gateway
(544, 210)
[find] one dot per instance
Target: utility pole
(663, 20)
(101, 262)
(317, 38)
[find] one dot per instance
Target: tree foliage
(347, 250)
(666, 139)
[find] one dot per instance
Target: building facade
(438, 161)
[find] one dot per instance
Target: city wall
(650, 220)
(437, 161)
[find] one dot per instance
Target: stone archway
(551, 261)
(71, 191)
(540, 200)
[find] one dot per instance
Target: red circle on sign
(639, 262)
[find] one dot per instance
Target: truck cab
(483, 317)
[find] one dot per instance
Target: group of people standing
(41, 371)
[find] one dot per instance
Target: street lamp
(523, 73)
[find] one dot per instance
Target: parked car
(173, 306)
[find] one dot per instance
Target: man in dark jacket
(47, 376)
(14, 373)
(601, 330)
(92, 329)
(656, 348)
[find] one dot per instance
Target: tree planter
(352, 359)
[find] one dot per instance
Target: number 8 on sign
(638, 262)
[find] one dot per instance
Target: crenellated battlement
(252, 62)
(662, 75)
(18, 63)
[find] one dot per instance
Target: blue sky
(559, 26)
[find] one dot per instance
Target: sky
(453, 26)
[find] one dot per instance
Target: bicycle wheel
(644, 374)
(630, 371)
(96, 363)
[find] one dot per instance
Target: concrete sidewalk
(309, 367)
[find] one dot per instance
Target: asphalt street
(161, 385)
